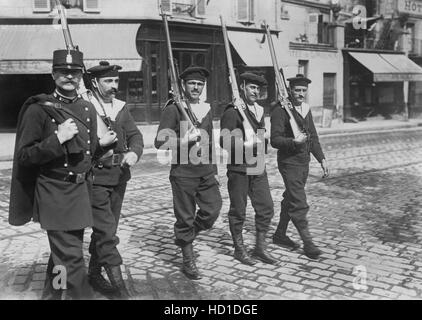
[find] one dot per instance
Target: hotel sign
(412, 7)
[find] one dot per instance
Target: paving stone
(357, 218)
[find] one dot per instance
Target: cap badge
(69, 59)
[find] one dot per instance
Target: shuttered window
(329, 87)
(245, 10)
(92, 5)
(200, 7)
(41, 5)
(166, 6)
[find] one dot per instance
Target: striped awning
(389, 67)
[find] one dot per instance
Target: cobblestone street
(366, 218)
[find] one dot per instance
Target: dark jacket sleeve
(34, 148)
(230, 121)
(134, 138)
(316, 149)
(168, 131)
(279, 137)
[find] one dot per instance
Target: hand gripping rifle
(238, 103)
(283, 93)
(178, 97)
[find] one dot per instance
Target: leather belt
(113, 161)
(77, 178)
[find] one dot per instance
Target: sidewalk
(7, 140)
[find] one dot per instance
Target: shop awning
(249, 47)
(389, 67)
(28, 49)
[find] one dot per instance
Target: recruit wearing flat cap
(68, 59)
(104, 70)
(299, 80)
(195, 73)
(251, 77)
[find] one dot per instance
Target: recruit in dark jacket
(111, 173)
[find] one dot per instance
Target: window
(317, 29)
(193, 8)
(83, 5)
(41, 5)
(245, 11)
(303, 67)
(92, 5)
(329, 87)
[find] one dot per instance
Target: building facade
(380, 79)
(130, 33)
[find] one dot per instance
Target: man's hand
(108, 138)
(301, 138)
(67, 130)
(129, 159)
(191, 135)
(324, 166)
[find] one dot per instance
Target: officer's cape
(24, 178)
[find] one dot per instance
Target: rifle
(178, 98)
(283, 93)
(86, 83)
(85, 86)
(238, 103)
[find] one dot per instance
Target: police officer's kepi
(67, 59)
(299, 80)
(250, 77)
(104, 70)
(195, 73)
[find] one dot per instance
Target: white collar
(111, 109)
(257, 110)
(200, 110)
(303, 109)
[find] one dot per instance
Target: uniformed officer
(111, 174)
(193, 182)
(242, 183)
(293, 163)
(56, 141)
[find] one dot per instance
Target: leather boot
(116, 279)
(96, 279)
(189, 267)
(280, 238)
(240, 252)
(260, 251)
(309, 248)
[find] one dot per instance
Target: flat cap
(299, 80)
(68, 59)
(251, 77)
(194, 73)
(104, 70)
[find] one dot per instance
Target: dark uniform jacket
(282, 137)
(56, 204)
(231, 120)
(170, 120)
(129, 138)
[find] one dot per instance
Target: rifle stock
(178, 98)
(237, 100)
(283, 93)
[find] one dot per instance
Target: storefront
(375, 82)
(26, 54)
(195, 44)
